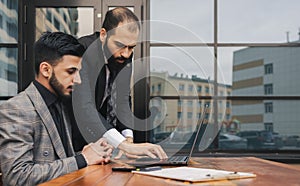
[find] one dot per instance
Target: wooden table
(268, 173)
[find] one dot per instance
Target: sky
(239, 21)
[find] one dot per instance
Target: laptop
(178, 160)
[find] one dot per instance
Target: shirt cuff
(127, 133)
(113, 137)
(81, 162)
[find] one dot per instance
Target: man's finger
(133, 156)
(119, 155)
(150, 153)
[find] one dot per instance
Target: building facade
(267, 71)
(8, 55)
(184, 113)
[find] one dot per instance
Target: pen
(146, 169)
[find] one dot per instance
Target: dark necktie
(111, 100)
(60, 125)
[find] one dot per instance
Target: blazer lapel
(47, 119)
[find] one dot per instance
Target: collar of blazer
(44, 113)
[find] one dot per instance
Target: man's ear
(103, 35)
(45, 69)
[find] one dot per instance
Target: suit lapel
(47, 119)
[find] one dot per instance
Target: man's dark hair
(52, 46)
(119, 15)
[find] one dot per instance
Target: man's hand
(96, 153)
(149, 149)
(121, 152)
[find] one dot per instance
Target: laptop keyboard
(172, 159)
(177, 158)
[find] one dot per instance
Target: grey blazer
(31, 151)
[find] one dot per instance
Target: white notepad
(196, 174)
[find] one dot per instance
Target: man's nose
(126, 52)
(77, 78)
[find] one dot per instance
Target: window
(8, 49)
(268, 89)
(256, 75)
(179, 103)
(269, 127)
(269, 107)
(199, 104)
(65, 17)
(199, 115)
(48, 15)
(179, 115)
(190, 103)
(159, 87)
(221, 104)
(227, 117)
(269, 69)
(56, 24)
(227, 104)
(191, 88)
(207, 103)
(199, 89)
(13, 4)
(206, 116)
(12, 30)
(207, 90)
(181, 87)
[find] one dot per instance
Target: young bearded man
(35, 131)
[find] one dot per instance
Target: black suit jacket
(124, 114)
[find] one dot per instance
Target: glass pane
(182, 67)
(260, 71)
(188, 21)
(251, 21)
(9, 21)
(225, 61)
(8, 71)
(74, 21)
(269, 124)
(176, 121)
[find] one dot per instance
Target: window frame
(280, 155)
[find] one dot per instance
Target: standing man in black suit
(111, 51)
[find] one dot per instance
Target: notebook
(193, 174)
(181, 159)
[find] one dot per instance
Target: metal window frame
(279, 155)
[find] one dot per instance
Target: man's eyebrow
(123, 45)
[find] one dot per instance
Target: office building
(267, 71)
(8, 56)
(183, 113)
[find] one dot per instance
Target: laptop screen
(182, 142)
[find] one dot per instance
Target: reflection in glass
(270, 124)
(8, 71)
(9, 21)
(74, 21)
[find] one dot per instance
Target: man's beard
(58, 88)
(113, 65)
